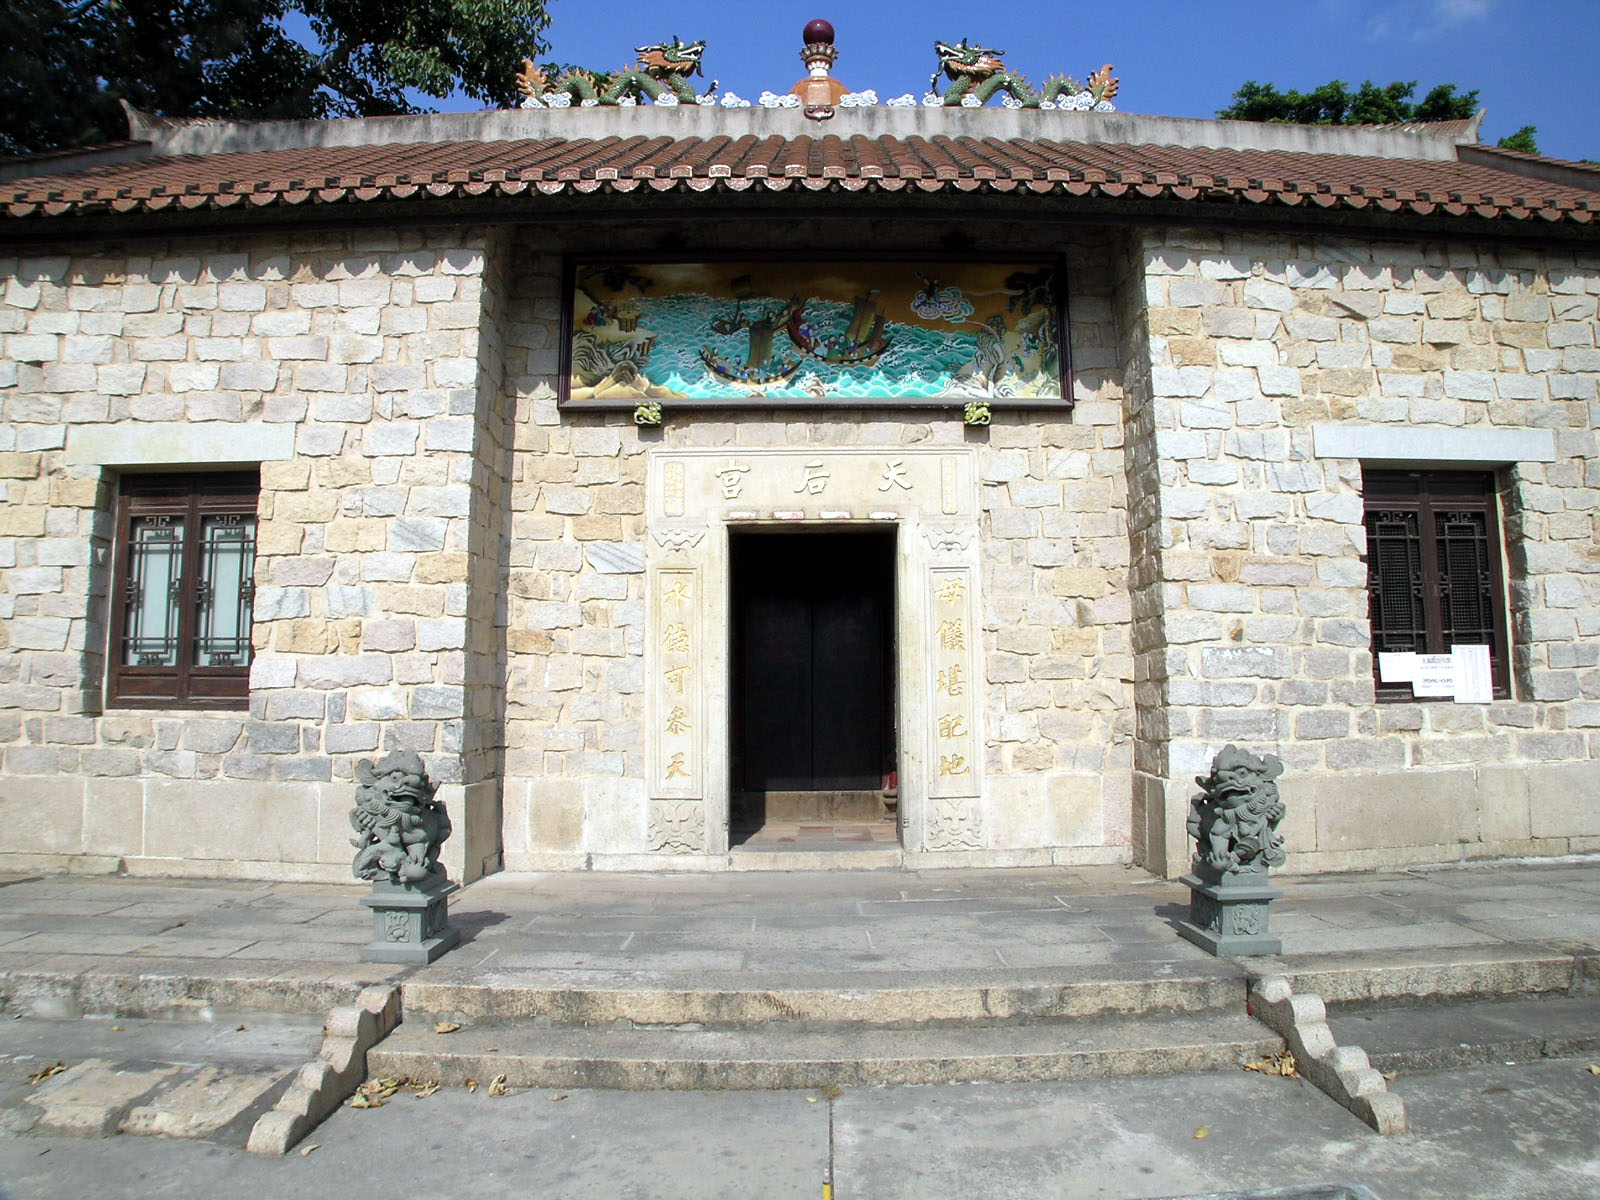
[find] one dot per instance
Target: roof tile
(857, 162)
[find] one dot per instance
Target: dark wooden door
(813, 660)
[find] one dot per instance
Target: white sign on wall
(1463, 675)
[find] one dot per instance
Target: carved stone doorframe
(695, 497)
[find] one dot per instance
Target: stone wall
(1056, 651)
(448, 563)
(1256, 342)
(350, 368)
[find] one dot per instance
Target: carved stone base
(1229, 918)
(410, 923)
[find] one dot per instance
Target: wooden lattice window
(183, 590)
(1433, 568)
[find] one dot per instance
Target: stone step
(1491, 969)
(875, 999)
(183, 988)
(784, 1057)
(1442, 1036)
(782, 858)
(758, 808)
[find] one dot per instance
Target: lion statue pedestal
(1234, 822)
(399, 828)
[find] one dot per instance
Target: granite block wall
(449, 563)
(349, 368)
(1256, 345)
(1056, 651)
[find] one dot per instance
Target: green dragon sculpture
(981, 73)
(662, 70)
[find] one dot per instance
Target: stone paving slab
(236, 1039)
(295, 946)
(207, 1077)
(90, 1098)
(205, 1103)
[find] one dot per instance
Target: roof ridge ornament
(979, 73)
(819, 92)
(660, 74)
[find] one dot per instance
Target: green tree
(1522, 140)
(1335, 104)
(66, 64)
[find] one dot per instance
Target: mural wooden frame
(945, 268)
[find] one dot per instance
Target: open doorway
(812, 654)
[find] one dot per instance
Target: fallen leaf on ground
(41, 1076)
(376, 1091)
(445, 1027)
(238, 1028)
(1594, 1068)
(362, 1100)
(1202, 1132)
(307, 1149)
(425, 1090)
(1279, 1063)
(559, 1096)
(497, 1086)
(471, 1085)
(116, 1029)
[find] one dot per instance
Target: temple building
(701, 484)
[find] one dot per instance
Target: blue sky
(1534, 63)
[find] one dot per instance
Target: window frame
(1427, 493)
(191, 496)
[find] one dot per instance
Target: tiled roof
(404, 171)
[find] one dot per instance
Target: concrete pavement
(1483, 1133)
(936, 950)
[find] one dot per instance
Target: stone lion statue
(399, 825)
(1234, 819)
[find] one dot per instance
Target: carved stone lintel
(678, 826)
(679, 539)
(954, 824)
(948, 539)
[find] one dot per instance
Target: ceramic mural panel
(815, 331)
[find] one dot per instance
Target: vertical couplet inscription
(679, 711)
(955, 742)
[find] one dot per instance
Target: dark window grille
(183, 590)
(1433, 568)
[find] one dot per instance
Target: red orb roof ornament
(819, 90)
(818, 33)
